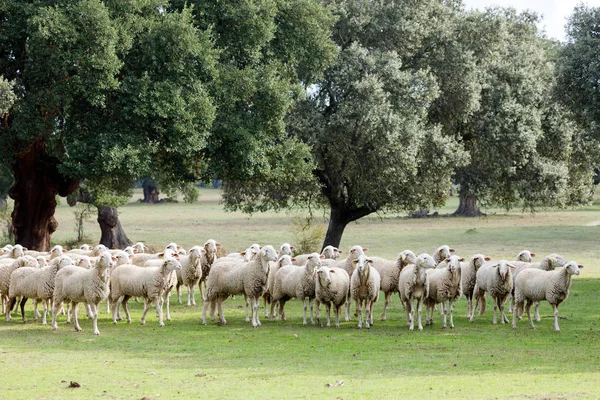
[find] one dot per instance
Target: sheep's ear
(338, 250)
(293, 259)
(25, 249)
(146, 248)
(461, 259)
(136, 251)
(202, 251)
(130, 256)
(243, 253)
(321, 256)
(355, 262)
(64, 250)
(365, 249)
(176, 255)
(532, 254)
(292, 247)
(486, 258)
(92, 261)
(579, 266)
(161, 255)
(218, 244)
(451, 250)
(511, 266)
(369, 260)
(114, 259)
(332, 271)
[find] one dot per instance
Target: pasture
(283, 359)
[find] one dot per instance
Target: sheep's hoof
(161, 324)
(514, 327)
(451, 326)
(77, 329)
(420, 328)
(557, 330)
(54, 327)
(96, 332)
(143, 322)
(410, 328)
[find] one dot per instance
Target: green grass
(288, 360)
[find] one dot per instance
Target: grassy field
(288, 360)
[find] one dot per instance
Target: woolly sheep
(210, 256)
(411, 284)
(130, 280)
(294, 281)
(348, 265)
(268, 295)
(82, 285)
(525, 256)
(6, 269)
(140, 247)
(329, 252)
(247, 254)
(331, 288)
(191, 271)
(441, 285)
(469, 276)
(249, 279)
(34, 283)
(442, 253)
(15, 252)
(364, 288)
(536, 285)
(390, 274)
(496, 278)
(141, 258)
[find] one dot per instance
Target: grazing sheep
(6, 269)
(364, 288)
(268, 295)
(348, 265)
(128, 280)
(536, 285)
(34, 283)
(411, 284)
(496, 278)
(249, 279)
(442, 253)
(441, 285)
(331, 288)
(329, 252)
(82, 285)
(468, 278)
(294, 281)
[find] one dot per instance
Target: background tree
(105, 92)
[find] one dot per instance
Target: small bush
(308, 237)
(7, 234)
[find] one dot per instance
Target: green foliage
(308, 236)
(7, 95)
(6, 228)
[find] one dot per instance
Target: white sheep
(141, 258)
(128, 280)
(390, 274)
(140, 247)
(469, 276)
(249, 279)
(82, 285)
(329, 252)
(268, 295)
(534, 285)
(247, 254)
(348, 265)
(94, 252)
(525, 256)
(6, 268)
(411, 284)
(443, 285)
(34, 283)
(210, 256)
(496, 278)
(442, 253)
(15, 252)
(292, 281)
(191, 272)
(364, 288)
(331, 288)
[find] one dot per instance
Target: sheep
(249, 279)
(536, 285)
(548, 263)
(331, 288)
(348, 265)
(82, 285)
(390, 273)
(268, 295)
(130, 280)
(411, 284)
(35, 283)
(15, 252)
(293, 281)
(468, 277)
(210, 256)
(140, 247)
(364, 288)
(442, 253)
(6, 269)
(525, 256)
(329, 252)
(441, 285)
(191, 272)
(247, 254)
(141, 258)
(494, 277)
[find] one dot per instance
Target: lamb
(442, 253)
(364, 288)
(411, 284)
(329, 252)
(191, 272)
(348, 265)
(494, 277)
(441, 285)
(468, 277)
(293, 281)
(6, 269)
(35, 283)
(130, 280)
(331, 288)
(249, 279)
(268, 295)
(536, 285)
(82, 285)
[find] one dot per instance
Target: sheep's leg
(419, 307)
(338, 311)
(202, 295)
(311, 303)
(95, 320)
(495, 308)
(147, 304)
(220, 307)
(511, 303)
(189, 302)
(113, 306)
(317, 314)
(527, 308)
(410, 313)
(44, 318)
(265, 303)
(328, 309)
(272, 313)
(88, 311)
(368, 311)
(282, 309)
(22, 305)
(125, 308)
(537, 312)
(55, 309)
(514, 316)
(443, 311)
(451, 314)
(206, 303)
(68, 312)
(255, 312)
(359, 312)
(388, 298)
(347, 318)
(555, 308)
(257, 303)
(36, 314)
(247, 301)
(469, 306)
(168, 305)
(159, 310)
(179, 293)
(502, 313)
(74, 311)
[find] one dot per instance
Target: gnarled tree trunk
(468, 207)
(339, 218)
(37, 182)
(113, 235)
(150, 191)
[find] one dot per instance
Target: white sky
(554, 12)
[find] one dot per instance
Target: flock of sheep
(91, 275)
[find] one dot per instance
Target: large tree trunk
(113, 235)
(467, 207)
(338, 220)
(150, 191)
(37, 182)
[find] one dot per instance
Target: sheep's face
(454, 263)
(210, 247)
(140, 247)
(18, 251)
(105, 261)
(57, 251)
(171, 264)
(356, 251)
(286, 249)
(83, 262)
(362, 263)
(99, 249)
(27, 261)
(504, 269)
(174, 247)
(268, 253)
(63, 261)
(407, 257)
(525, 256)
(122, 258)
(557, 261)
(478, 260)
(249, 254)
(324, 275)
(285, 260)
(42, 261)
(314, 260)
(573, 268)
(85, 247)
(444, 252)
